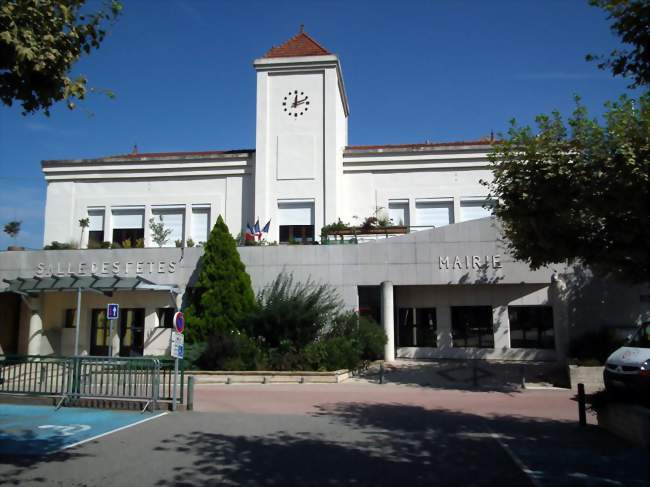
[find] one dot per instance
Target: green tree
(631, 23)
(13, 228)
(578, 190)
(40, 40)
(159, 234)
(83, 224)
(222, 296)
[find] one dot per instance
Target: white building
(301, 175)
(449, 290)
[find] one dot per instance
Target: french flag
(258, 232)
(266, 227)
(249, 235)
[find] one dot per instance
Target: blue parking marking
(38, 430)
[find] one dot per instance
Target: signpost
(177, 349)
(112, 313)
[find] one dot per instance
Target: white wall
(68, 200)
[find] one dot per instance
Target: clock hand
(295, 102)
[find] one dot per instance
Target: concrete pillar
(443, 322)
(115, 339)
(35, 327)
(557, 296)
(501, 326)
(388, 319)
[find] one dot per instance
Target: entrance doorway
(99, 333)
(131, 332)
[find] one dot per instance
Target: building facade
(445, 289)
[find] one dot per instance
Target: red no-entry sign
(179, 322)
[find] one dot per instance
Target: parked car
(628, 368)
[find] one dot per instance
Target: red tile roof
(423, 145)
(299, 45)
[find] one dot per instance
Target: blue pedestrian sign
(112, 311)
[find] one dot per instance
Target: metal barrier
(116, 378)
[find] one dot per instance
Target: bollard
(523, 377)
(190, 393)
(582, 412)
(381, 373)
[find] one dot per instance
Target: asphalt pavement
(348, 434)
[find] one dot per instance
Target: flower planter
(359, 231)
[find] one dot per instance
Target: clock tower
(301, 133)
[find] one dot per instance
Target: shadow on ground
(468, 374)
(23, 452)
(394, 444)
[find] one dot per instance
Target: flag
(266, 227)
(249, 233)
(258, 232)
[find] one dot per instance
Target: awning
(94, 283)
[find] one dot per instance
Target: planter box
(268, 377)
(591, 377)
(395, 230)
(629, 421)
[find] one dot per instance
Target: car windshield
(641, 337)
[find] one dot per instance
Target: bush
(333, 353)
(293, 311)
(229, 350)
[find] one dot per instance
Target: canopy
(100, 284)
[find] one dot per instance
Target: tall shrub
(293, 311)
(222, 295)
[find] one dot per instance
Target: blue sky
(414, 71)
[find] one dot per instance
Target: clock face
(295, 103)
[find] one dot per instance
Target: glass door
(131, 332)
(99, 333)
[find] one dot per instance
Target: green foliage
(13, 228)
(631, 23)
(229, 350)
(578, 191)
(332, 228)
(222, 295)
(190, 242)
(293, 311)
(159, 234)
(61, 246)
(84, 222)
(40, 40)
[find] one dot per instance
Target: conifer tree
(222, 295)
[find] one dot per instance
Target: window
(474, 209)
(200, 225)
(531, 327)
(417, 327)
(471, 326)
(296, 220)
(131, 332)
(95, 227)
(370, 302)
(398, 212)
(166, 317)
(172, 219)
(69, 318)
(432, 214)
(128, 225)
